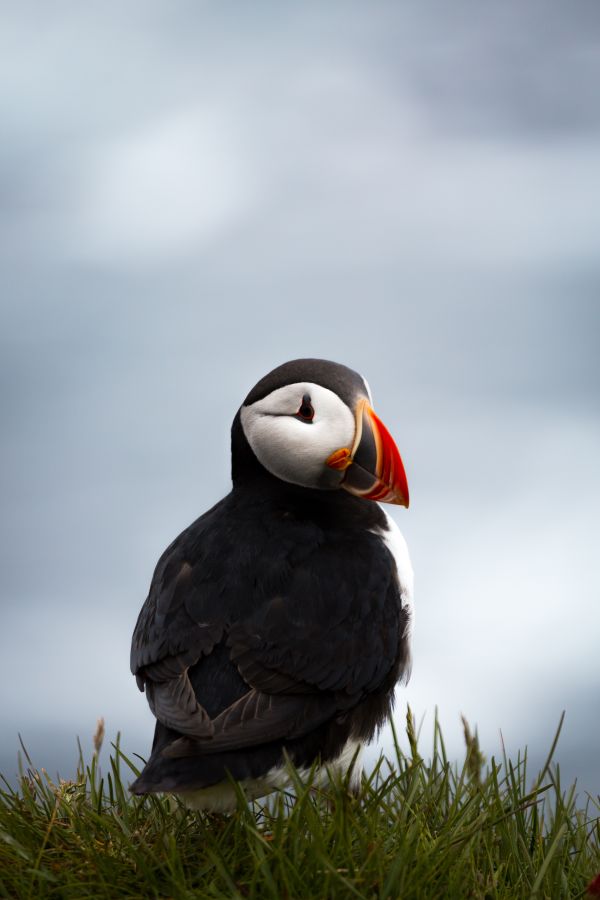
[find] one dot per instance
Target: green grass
(421, 828)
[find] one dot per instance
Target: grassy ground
(425, 829)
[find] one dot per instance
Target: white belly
(222, 798)
(394, 541)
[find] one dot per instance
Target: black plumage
(274, 624)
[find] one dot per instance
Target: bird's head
(309, 422)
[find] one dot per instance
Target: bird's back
(307, 593)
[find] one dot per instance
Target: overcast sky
(192, 193)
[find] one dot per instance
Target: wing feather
(259, 718)
(337, 632)
(179, 623)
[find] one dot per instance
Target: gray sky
(193, 193)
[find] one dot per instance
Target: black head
(309, 423)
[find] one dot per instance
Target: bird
(278, 624)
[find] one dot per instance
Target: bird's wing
(337, 627)
(180, 621)
(332, 637)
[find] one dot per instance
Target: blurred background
(192, 193)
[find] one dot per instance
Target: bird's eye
(306, 412)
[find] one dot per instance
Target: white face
(292, 446)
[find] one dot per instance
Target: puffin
(278, 624)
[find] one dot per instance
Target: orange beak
(373, 466)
